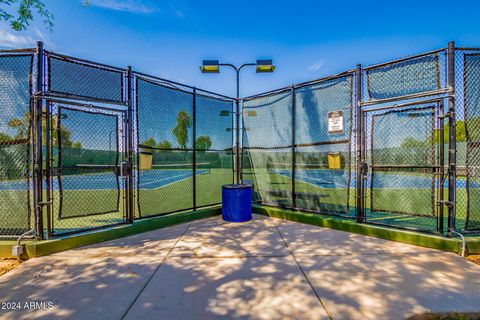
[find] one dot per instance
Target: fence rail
(85, 145)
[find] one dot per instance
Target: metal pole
(442, 165)
(360, 191)
(37, 147)
(194, 156)
(130, 120)
(48, 166)
(294, 157)
(452, 139)
(237, 119)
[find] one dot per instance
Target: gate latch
(123, 169)
(363, 169)
(447, 203)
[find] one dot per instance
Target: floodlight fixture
(210, 66)
(265, 66)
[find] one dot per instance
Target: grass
(173, 197)
(179, 196)
(418, 201)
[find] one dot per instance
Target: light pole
(213, 66)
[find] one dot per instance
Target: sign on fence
(335, 122)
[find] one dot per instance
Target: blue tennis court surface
(339, 179)
(149, 179)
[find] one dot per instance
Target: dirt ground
(474, 259)
(447, 316)
(7, 265)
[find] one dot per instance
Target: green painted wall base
(41, 248)
(338, 223)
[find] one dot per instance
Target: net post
(37, 145)
(452, 139)
(194, 142)
(130, 133)
(360, 190)
(294, 158)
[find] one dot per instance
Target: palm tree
(184, 121)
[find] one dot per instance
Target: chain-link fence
(467, 128)
(87, 145)
(185, 143)
(370, 144)
(297, 146)
(16, 120)
(91, 145)
(267, 145)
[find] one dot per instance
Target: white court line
(156, 181)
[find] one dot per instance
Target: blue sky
(306, 39)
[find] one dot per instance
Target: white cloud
(133, 6)
(13, 39)
(26, 39)
(177, 9)
(316, 66)
(170, 7)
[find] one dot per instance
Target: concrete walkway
(263, 269)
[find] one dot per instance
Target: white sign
(335, 122)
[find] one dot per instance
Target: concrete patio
(264, 269)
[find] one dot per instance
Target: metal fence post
(194, 156)
(237, 156)
(442, 167)
(360, 191)
(452, 139)
(294, 157)
(130, 132)
(37, 146)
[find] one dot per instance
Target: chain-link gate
(85, 145)
(405, 179)
(86, 180)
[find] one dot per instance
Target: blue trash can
(237, 202)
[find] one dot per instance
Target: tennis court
(339, 179)
(151, 179)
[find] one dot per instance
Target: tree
(461, 134)
(24, 11)
(77, 145)
(410, 142)
(4, 138)
(165, 144)
(22, 127)
(203, 143)
(180, 131)
(150, 142)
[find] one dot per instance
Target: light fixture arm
(237, 111)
